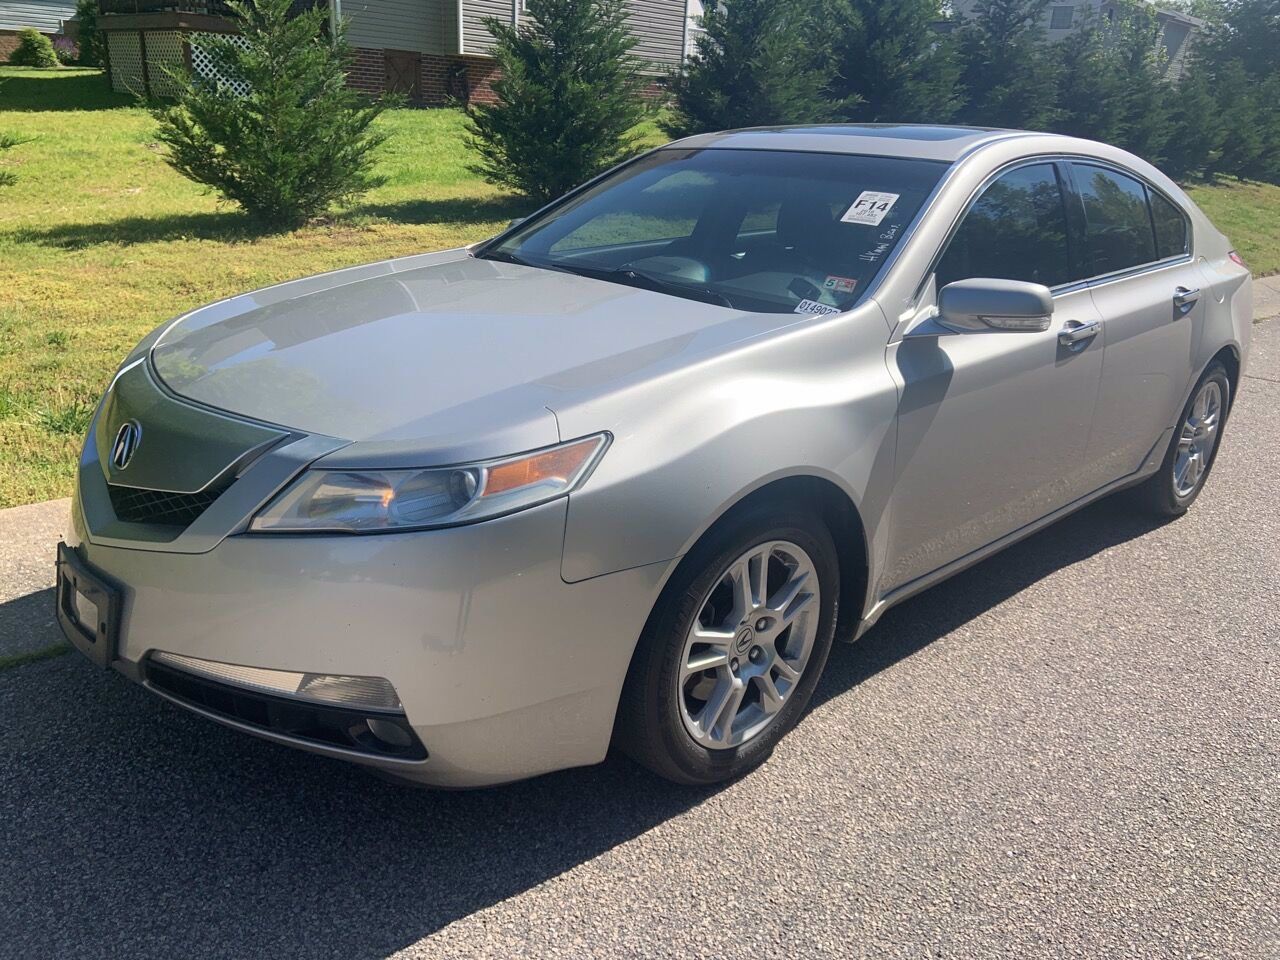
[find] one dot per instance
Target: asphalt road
(1070, 750)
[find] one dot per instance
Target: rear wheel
(734, 649)
(1187, 462)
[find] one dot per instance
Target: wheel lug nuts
(733, 665)
(762, 623)
(756, 654)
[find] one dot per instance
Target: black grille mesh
(133, 505)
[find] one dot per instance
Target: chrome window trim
(1189, 252)
(1068, 158)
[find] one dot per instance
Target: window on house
(1061, 17)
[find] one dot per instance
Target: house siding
(476, 38)
(659, 26)
(417, 25)
(47, 16)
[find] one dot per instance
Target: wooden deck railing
(216, 8)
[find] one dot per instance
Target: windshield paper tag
(813, 306)
(841, 284)
(870, 208)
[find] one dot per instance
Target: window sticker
(841, 284)
(870, 208)
(813, 306)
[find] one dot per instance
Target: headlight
(359, 501)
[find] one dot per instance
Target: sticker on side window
(870, 208)
(813, 306)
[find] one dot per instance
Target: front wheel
(1192, 449)
(734, 649)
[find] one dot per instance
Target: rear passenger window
(1017, 230)
(1118, 232)
(1171, 227)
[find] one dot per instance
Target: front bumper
(504, 670)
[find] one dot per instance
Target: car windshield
(761, 230)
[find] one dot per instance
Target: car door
(1146, 289)
(993, 426)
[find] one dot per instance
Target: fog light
(368, 692)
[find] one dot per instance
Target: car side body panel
(814, 400)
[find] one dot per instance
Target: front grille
(159, 507)
(374, 732)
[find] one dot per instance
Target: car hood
(431, 359)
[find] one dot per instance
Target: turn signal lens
(366, 501)
(1237, 259)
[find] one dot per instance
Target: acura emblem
(126, 444)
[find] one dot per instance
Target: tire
(1161, 494)
(654, 726)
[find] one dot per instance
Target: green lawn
(100, 242)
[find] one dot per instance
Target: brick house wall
(8, 43)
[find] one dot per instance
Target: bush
(757, 63)
(65, 49)
(34, 50)
(293, 146)
(92, 41)
(568, 99)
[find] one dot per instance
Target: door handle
(1184, 298)
(1075, 333)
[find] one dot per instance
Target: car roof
(913, 141)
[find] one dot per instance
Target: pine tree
(569, 97)
(1007, 69)
(894, 66)
(92, 41)
(1196, 130)
(757, 63)
(1247, 31)
(298, 141)
(1113, 85)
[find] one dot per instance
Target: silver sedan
(621, 474)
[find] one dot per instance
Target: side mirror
(1010, 305)
(516, 222)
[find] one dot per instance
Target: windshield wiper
(504, 256)
(655, 281)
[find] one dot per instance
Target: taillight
(1236, 258)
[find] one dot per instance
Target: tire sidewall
(1217, 373)
(681, 603)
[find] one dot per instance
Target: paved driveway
(1070, 750)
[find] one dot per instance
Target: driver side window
(1017, 230)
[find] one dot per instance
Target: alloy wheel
(1197, 439)
(749, 645)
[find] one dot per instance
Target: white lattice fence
(202, 65)
(164, 53)
(125, 51)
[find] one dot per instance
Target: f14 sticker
(870, 208)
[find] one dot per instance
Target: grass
(100, 241)
(1248, 213)
(11, 660)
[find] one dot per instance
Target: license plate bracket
(80, 589)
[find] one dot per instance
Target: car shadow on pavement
(917, 622)
(132, 828)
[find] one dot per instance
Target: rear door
(1146, 288)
